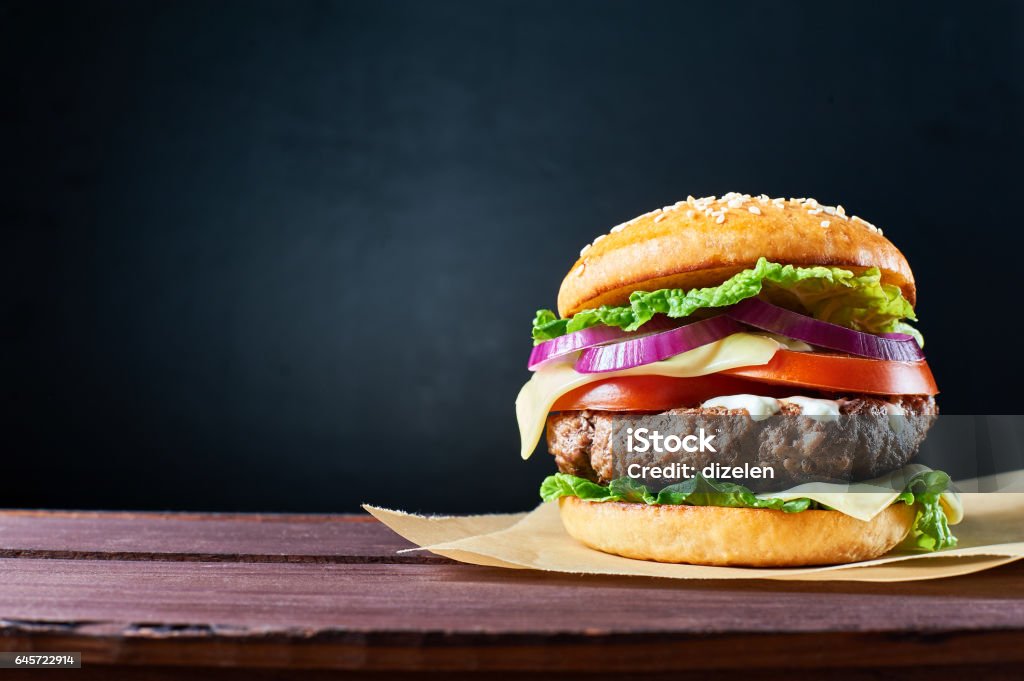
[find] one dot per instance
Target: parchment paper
(991, 534)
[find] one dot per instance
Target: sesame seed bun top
(703, 242)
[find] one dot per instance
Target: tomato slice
(787, 374)
(842, 373)
(660, 393)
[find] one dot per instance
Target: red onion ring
(654, 348)
(572, 342)
(896, 347)
(555, 348)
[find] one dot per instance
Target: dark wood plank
(381, 598)
(627, 654)
(457, 617)
(988, 672)
(202, 537)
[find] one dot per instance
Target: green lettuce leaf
(931, 527)
(563, 485)
(831, 294)
(696, 491)
(930, 531)
(547, 325)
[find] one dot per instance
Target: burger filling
(812, 373)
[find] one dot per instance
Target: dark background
(284, 256)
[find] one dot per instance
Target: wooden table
(155, 596)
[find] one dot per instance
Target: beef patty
(862, 443)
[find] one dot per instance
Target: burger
(736, 380)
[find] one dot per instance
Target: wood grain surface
(151, 595)
(245, 538)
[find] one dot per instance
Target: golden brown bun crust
(751, 537)
(685, 247)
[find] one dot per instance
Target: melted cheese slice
(865, 500)
(548, 384)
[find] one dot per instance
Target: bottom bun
(717, 535)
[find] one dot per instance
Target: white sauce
(759, 408)
(896, 417)
(819, 410)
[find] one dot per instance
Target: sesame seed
(830, 210)
(754, 209)
(690, 214)
(584, 250)
(840, 210)
(618, 228)
(579, 270)
(864, 222)
(720, 219)
(661, 217)
(814, 212)
(825, 223)
(598, 239)
(735, 203)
